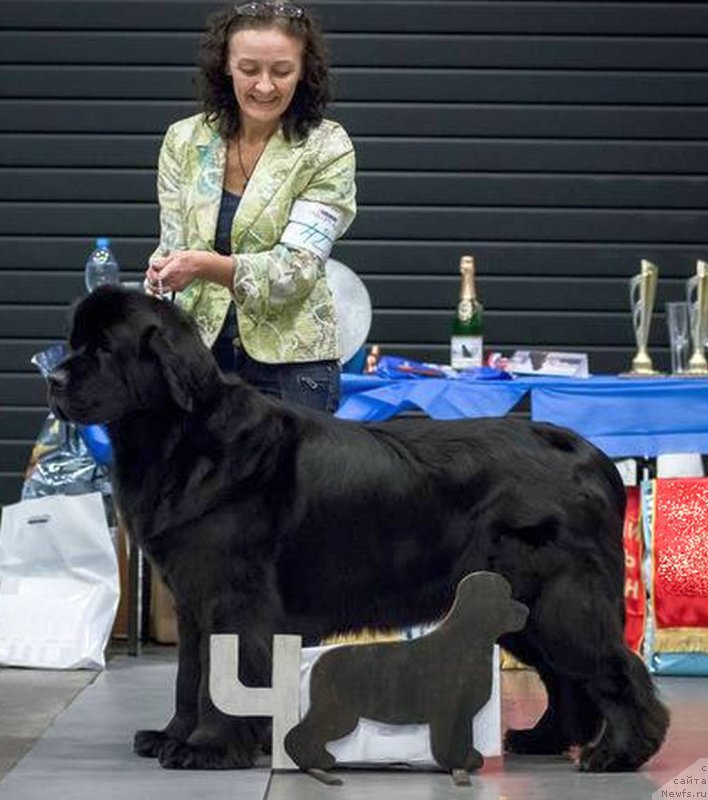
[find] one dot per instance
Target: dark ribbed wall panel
(559, 142)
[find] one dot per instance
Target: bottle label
(466, 352)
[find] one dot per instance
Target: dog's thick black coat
(443, 679)
(266, 519)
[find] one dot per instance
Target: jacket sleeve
(172, 232)
(265, 282)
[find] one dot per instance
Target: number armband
(313, 227)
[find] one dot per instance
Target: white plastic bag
(59, 585)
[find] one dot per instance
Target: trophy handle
(697, 294)
(692, 301)
(636, 303)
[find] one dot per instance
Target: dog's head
(128, 352)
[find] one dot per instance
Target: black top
(227, 210)
(223, 348)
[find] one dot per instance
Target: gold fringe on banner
(681, 640)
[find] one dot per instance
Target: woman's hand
(174, 272)
(177, 270)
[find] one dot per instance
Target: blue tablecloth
(622, 416)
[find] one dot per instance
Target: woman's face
(265, 66)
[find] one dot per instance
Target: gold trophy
(642, 291)
(697, 297)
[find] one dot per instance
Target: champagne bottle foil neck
(467, 288)
(466, 264)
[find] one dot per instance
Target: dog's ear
(174, 368)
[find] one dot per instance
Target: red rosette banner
(634, 588)
(680, 564)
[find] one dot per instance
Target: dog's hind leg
(636, 722)
(571, 718)
(582, 641)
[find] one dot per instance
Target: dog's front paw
(148, 744)
(182, 755)
(532, 741)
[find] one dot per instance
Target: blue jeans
(314, 384)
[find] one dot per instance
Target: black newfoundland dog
(264, 518)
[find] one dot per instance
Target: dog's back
(411, 506)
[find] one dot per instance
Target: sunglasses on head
(256, 9)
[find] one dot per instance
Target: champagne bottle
(466, 339)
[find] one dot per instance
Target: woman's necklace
(247, 175)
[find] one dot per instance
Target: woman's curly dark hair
(215, 87)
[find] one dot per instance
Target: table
(622, 416)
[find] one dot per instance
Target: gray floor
(29, 702)
(85, 752)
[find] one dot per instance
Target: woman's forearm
(216, 269)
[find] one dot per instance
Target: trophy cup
(642, 291)
(697, 297)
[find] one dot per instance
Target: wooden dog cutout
(443, 678)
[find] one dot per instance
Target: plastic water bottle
(101, 267)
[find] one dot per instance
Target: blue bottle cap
(103, 242)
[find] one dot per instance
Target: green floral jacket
(284, 308)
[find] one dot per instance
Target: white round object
(352, 304)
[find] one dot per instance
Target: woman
(253, 193)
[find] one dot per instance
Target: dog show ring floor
(68, 736)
